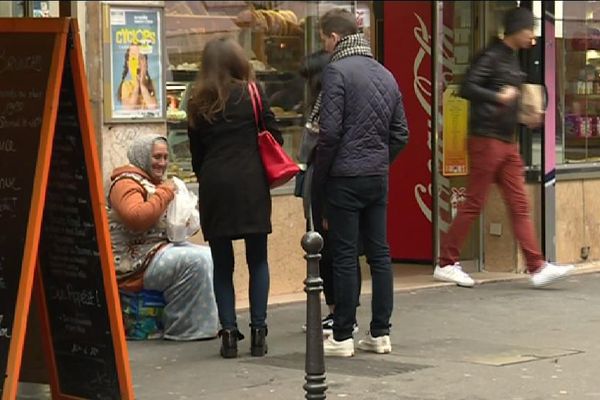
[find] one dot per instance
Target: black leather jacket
(494, 68)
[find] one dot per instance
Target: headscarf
(140, 151)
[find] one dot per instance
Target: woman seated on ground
(144, 259)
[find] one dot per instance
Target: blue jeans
(258, 267)
(353, 204)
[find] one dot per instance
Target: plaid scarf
(351, 45)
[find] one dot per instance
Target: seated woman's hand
(169, 184)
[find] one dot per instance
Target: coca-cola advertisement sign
(408, 34)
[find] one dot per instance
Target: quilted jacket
(362, 122)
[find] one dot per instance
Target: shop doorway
(462, 29)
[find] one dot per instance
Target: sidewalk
(420, 277)
(496, 341)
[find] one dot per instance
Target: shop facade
(428, 47)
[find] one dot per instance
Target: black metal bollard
(315, 385)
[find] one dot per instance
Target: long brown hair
(223, 63)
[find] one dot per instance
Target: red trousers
(493, 161)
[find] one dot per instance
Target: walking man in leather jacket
(362, 128)
(492, 87)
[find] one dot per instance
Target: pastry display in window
(272, 22)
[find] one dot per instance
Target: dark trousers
(258, 267)
(359, 204)
(325, 264)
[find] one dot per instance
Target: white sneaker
(333, 348)
(549, 274)
(454, 274)
(379, 345)
(328, 330)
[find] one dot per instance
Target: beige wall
(499, 251)
(502, 253)
(286, 262)
(578, 219)
(577, 225)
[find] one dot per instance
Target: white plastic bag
(183, 219)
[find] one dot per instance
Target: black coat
(233, 193)
(497, 66)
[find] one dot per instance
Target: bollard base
(315, 387)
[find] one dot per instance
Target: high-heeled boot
(258, 347)
(229, 342)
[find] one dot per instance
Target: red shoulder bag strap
(256, 105)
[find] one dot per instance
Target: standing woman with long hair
(233, 193)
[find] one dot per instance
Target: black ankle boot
(258, 347)
(229, 341)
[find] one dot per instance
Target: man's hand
(325, 224)
(508, 94)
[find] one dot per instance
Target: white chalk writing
(86, 350)
(81, 298)
(4, 332)
(27, 63)
(6, 123)
(7, 146)
(12, 108)
(8, 206)
(9, 183)
(12, 94)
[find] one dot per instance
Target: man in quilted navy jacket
(362, 128)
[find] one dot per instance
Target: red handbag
(279, 167)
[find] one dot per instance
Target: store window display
(578, 53)
(275, 35)
(12, 9)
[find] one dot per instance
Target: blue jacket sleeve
(330, 125)
(398, 130)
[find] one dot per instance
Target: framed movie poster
(133, 73)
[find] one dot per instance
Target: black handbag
(299, 184)
(308, 144)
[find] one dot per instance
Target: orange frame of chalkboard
(102, 234)
(59, 27)
(30, 270)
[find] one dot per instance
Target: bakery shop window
(277, 36)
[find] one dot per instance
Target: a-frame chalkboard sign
(54, 240)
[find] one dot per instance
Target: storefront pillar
(549, 133)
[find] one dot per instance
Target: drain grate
(354, 366)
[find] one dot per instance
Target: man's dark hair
(339, 21)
